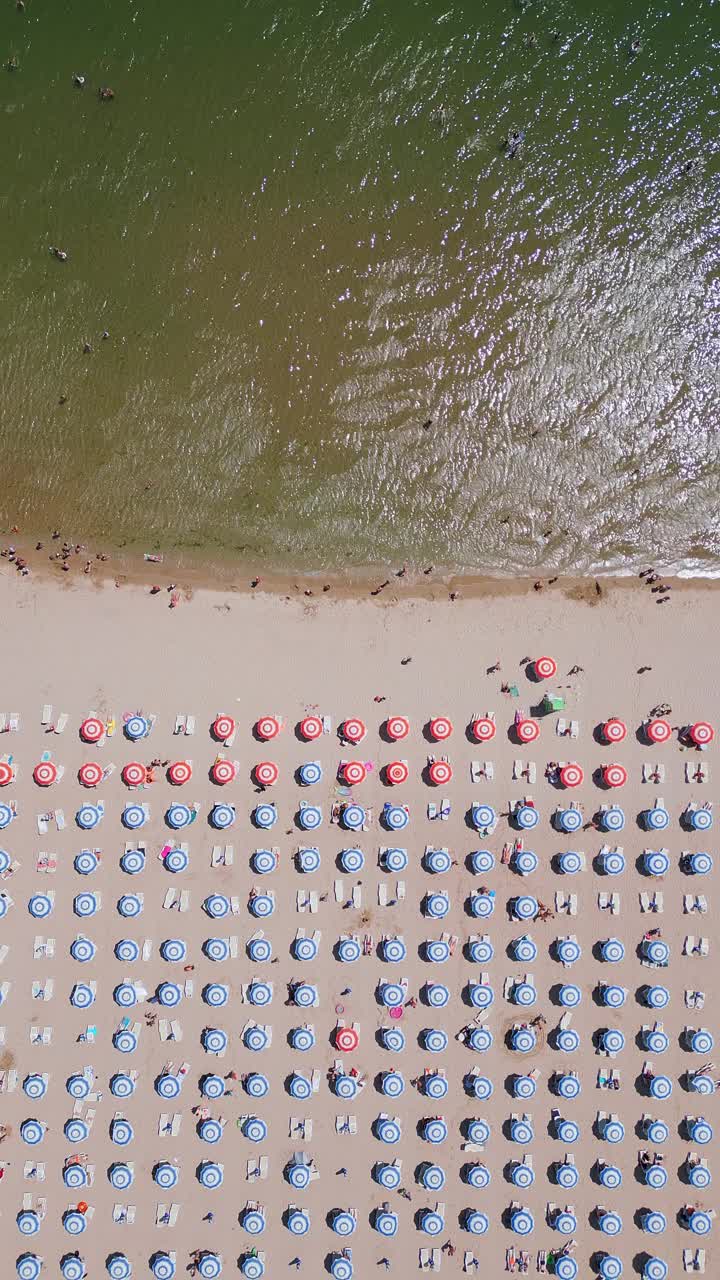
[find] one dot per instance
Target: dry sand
(95, 648)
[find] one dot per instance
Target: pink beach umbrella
(180, 772)
(223, 771)
(266, 773)
(92, 729)
(571, 775)
(397, 727)
(440, 728)
(353, 772)
(396, 772)
(223, 727)
(483, 729)
(614, 775)
(658, 731)
(45, 773)
(701, 733)
(614, 730)
(134, 774)
(545, 668)
(527, 730)
(90, 774)
(267, 727)
(353, 730)
(440, 773)
(311, 728)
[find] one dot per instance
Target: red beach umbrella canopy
(134, 774)
(267, 727)
(266, 773)
(179, 772)
(483, 729)
(353, 730)
(614, 730)
(545, 668)
(702, 733)
(440, 728)
(614, 775)
(223, 728)
(346, 1039)
(6, 773)
(223, 771)
(90, 774)
(571, 775)
(527, 730)
(353, 772)
(311, 728)
(658, 731)
(397, 727)
(396, 772)
(45, 773)
(92, 729)
(440, 773)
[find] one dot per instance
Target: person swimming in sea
(60, 254)
(513, 141)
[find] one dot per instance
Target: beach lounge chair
(435, 1259)
(700, 1259)
(574, 728)
(424, 1260)
(615, 904)
(382, 894)
(701, 903)
(704, 947)
(14, 722)
(356, 896)
(688, 947)
(432, 811)
(61, 723)
(339, 890)
(445, 809)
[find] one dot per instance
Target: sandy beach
(88, 647)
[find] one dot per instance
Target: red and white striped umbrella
(6, 773)
(45, 773)
(483, 729)
(614, 730)
(267, 727)
(571, 775)
(223, 728)
(354, 772)
(702, 733)
(658, 731)
(311, 728)
(92, 729)
(440, 728)
(223, 771)
(527, 730)
(397, 727)
(134, 774)
(180, 772)
(90, 774)
(266, 773)
(614, 775)
(440, 773)
(397, 772)
(346, 1039)
(545, 668)
(354, 730)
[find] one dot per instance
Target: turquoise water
(298, 227)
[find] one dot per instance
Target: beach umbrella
(307, 860)
(223, 727)
(571, 775)
(169, 995)
(216, 905)
(611, 1268)
(121, 1176)
(701, 733)
(168, 1085)
(477, 1176)
(214, 1040)
(165, 1175)
(121, 1132)
(655, 1269)
(132, 862)
(299, 1086)
(40, 906)
(437, 950)
(431, 1223)
(348, 950)
(568, 1087)
(397, 728)
(310, 817)
(656, 863)
(565, 1223)
(525, 862)
(79, 1086)
(434, 1040)
(612, 997)
(385, 1223)
(222, 816)
(437, 995)
(526, 817)
(209, 1266)
(700, 1131)
(215, 994)
(567, 1040)
(524, 1087)
(262, 905)
(223, 771)
(523, 949)
(310, 728)
(179, 772)
(570, 862)
(699, 1222)
(213, 1086)
(569, 820)
(480, 950)
(483, 817)
(176, 860)
(436, 1087)
(387, 1130)
(28, 1222)
(134, 774)
(122, 1086)
(136, 727)
(612, 862)
(657, 731)
(700, 1041)
(304, 948)
(523, 994)
(266, 773)
(568, 950)
(698, 864)
(254, 1129)
(440, 728)
(610, 1224)
(523, 1039)
(527, 731)
(395, 816)
(483, 729)
(352, 861)
(298, 1175)
(653, 1222)
(178, 815)
(569, 995)
(298, 1223)
(210, 1175)
(480, 994)
(701, 1084)
(614, 775)
(352, 773)
(614, 730)
(475, 1222)
(482, 860)
(353, 730)
(4, 861)
(253, 1221)
(252, 1267)
(394, 860)
(393, 950)
(89, 774)
(440, 773)
(656, 1131)
(118, 1267)
(210, 1131)
(476, 1130)
(388, 1176)
(6, 815)
(346, 1087)
(393, 1039)
(173, 950)
(129, 905)
(7, 773)
(521, 1131)
(656, 950)
(304, 995)
(566, 1175)
(610, 1177)
(612, 1040)
(34, 1086)
(437, 861)
(341, 1268)
(303, 1038)
(657, 997)
(396, 773)
(522, 1175)
(437, 906)
(566, 1268)
(162, 1266)
(28, 1265)
(544, 668)
(698, 819)
(86, 862)
(655, 1176)
(342, 1223)
(524, 907)
(567, 1130)
(81, 996)
(612, 950)
(74, 1222)
(92, 730)
(391, 994)
(260, 993)
(432, 1177)
(656, 819)
(45, 773)
(263, 861)
(612, 819)
(521, 1222)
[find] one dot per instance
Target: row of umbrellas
(162, 1265)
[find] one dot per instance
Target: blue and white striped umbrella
(568, 1087)
(255, 1039)
(388, 1131)
(128, 950)
(656, 863)
(391, 994)
(569, 996)
(88, 816)
(74, 1222)
(522, 1175)
(524, 994)
(525, 862)
(72, 1267)
(655, 1269)
(310, 773)
(40, 906)
(521, 1222)
(522, 1039)
(298, 1175)
(348, 950)
(393, 1039)
(254, 1129)
(701, 1084)
(524, 1087)
(210, 1131)
(526, 817)
(162, 1266)
(565, 1223)
(484, 817)
(4, 861)
(262, 905)
(524, 908)
(655, 1176)
(434, 1039)
(386, 1223)
(699, 1223)
(178, 816)
(252, 1267)
(654, 1222)
(34, 1087)
(121, 1132)
(218, 949)
(480, 1087)
(432, 1177)
(307, 860)
(119, 1267)
(656, 819)
(125, 995)
(209, 1266)
(120, 1176)
(570, 862)
(482, 860)
(299, 1086)
(168, 1086)
(259, 949)
(656, 1041)
(700, 1131)
(298, 1223)
(656, 950)
(346, 1087)
(699, 819)
(305, 995)
(341, 1268)
(129, 906)
(304, 948)
(122, 1086)
(28, 1222)
(482, 905)
(521, 1131)
(395, 816)
(169, 995)
(212, 1086)
(437, 995)
(611, 1268)
(222, 816)
(431, 1223)
(265, 816)
(310, 817)
(478, 1224)
(263, 862)
(176, 860)
(82, 996)
(612, 950)
(210, 1175)
(701, 1041)
(216, 905)
(437, 951)
(253, 1221)
(79, 1086)
(133, 816)
(477, 1130)
(435, 1087)
(388, 1176)
(567, 1040)
(657, 997)
(165, 1175)
(214, 1040)
(613, 819)
(85, 904)
(29, 1266)
(566, 1176)
(394, 860)
(568, 950)
(523, 949)
(613, 997)
(657, 1131)
(612, 862)
(437, 905)
(302, 1038)
(4, 906)
(85, 862)
(437, 861)
(613, 1131)
(567, 1130)
(342, 1223)
(569, 820)
(6, 815)
(700, 864)
(352, 860)
(610, 1177)
(173, 950)
(566, 1268)
(353, 817)
(136, 727)
(610, 1224)
(215, 994)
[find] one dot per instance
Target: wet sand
(91, 647)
